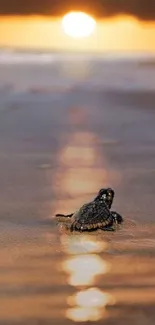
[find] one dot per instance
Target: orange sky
(122, 33)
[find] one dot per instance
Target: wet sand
(56, 151)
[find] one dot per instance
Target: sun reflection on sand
(83, 269)
(90, 305)
(83, 264)
(90, 298)
(82, 169)
(81, 172)
(84, 314)
(82, 244)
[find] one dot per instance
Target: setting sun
(78, 24)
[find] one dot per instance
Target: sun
(78, 24)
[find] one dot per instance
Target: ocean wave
(8, 57)
(12, 56)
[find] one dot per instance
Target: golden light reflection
(82, 171)
(90, 305)
(84, 314)
(83, 269)
(72, 154)
(82, 161)
(82, 244)
(82, 168)
(92, 297)
(80, 181)
(121, 33)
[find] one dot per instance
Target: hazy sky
(121, 33)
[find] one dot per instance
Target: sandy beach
(67, 130)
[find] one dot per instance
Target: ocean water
(69, 126)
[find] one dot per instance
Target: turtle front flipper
(117, 218)
(59, 215)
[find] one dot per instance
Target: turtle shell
(92, 215)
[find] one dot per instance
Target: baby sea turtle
(95, 214)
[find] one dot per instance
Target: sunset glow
(123, 33)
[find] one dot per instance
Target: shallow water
(54, 155)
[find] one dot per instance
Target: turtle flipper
(75, 226)
(59, 215)
(117, 218)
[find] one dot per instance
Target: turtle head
(106, 195)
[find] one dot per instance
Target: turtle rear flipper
(59, 215)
